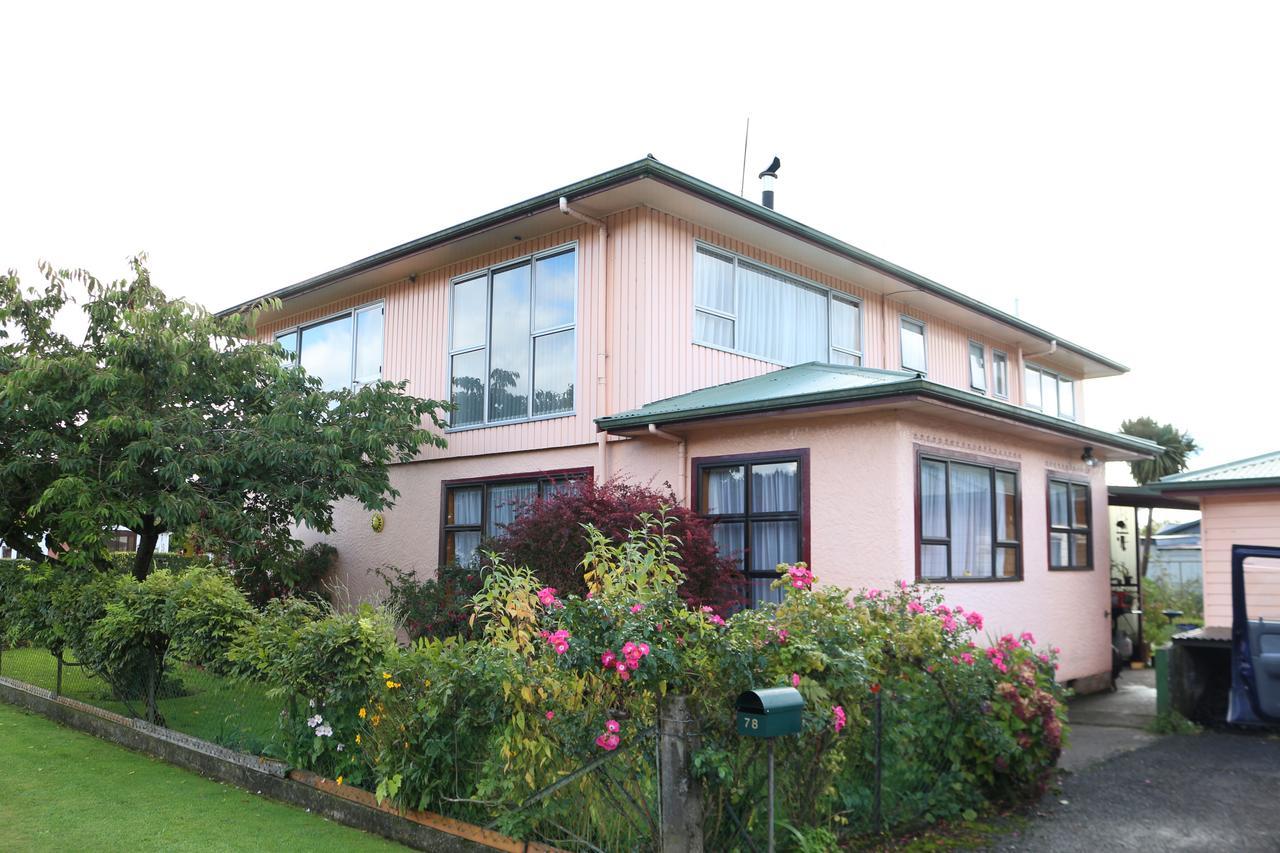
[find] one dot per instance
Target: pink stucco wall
(861, 514)
(1239, 519)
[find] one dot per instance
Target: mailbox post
(770, 713)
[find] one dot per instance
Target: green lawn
(64, 790)
(227, 712)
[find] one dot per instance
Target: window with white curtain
(476, 511)
(344, 351)
(1049, 392)
(1070, 532)
(911, 342)
(748, 308)
(977, 367)
(512, 352)
(1000, 374)
(756, 507)
(969, 521)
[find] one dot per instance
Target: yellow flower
(406, 744)
(427, 683)
(339, 780)
(386, 675)
(357, 738)
(376, 719)
(362, 713)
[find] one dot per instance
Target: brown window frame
(1071, 529)
(993, 465)
(542, 478)
(798, 455)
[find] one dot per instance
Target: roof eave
(650, 168)
(914, 387)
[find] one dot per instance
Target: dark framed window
(1070, 530)
(969, 520)
(475, 510)
(758, 507)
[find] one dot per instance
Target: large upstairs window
(512, 340)
(1049, 392)
(747, 308)
(345, 350)
(911, 343)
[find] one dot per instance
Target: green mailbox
(772, 712)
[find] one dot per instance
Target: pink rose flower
(551, 715)
(608, 742)
(974, 619)
(795, 679)
(915, 607)
(1027, 638)
(547, 596)
(839, 720)
(612, 727)
(637, 607)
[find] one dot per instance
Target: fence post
(876, 811)
(680, 794)
(57, 686)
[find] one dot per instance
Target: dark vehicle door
(1255, 643)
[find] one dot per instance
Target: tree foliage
(165, 418)
(1177, 448)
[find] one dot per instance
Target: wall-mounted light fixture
(1088, 458)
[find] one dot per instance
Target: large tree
(1176, 448)
(165, 418)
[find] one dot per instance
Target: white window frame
(924, 342)
(1002, 357)
(981, 349)
(1059, 379)
(353, 313)
(831, 293)
(488, 273)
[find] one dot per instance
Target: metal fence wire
(189, 699)
(897, 775)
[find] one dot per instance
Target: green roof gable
(1254, 472)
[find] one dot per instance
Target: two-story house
(816, 402)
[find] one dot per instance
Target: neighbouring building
(1239, 505)
(815, 402)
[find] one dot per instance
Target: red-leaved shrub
(548, 537)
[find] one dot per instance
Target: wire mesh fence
(190, 699)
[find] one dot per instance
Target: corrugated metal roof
(819, 383)
(1264, 467)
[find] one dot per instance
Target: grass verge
(64, 790)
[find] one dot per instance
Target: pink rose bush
(556, 683)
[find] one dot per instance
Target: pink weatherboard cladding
(634, 338)
(1239, 519)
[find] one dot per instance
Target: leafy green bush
(322, 665)
(277, 574)
(433, 607)
(1161, 594)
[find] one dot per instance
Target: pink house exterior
(817, 402)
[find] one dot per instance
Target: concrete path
(1107, 724)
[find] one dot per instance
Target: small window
(476, 511)
(1070, 530)
(756, 507)
(1049, 392)
(1000, 374)
(969, 521)
(912, 341)
(977, 367)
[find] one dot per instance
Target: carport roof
(1255, 472)
(819, 385)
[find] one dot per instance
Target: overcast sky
(1108, 169)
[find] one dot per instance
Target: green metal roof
(818, 384)
(651, 168)
(1255, 472)
(1142, 496)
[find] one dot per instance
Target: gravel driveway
(1207, 792)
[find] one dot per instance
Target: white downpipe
(603, 472)
(681, 448)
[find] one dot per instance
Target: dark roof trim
(921, 388)
(1144, 497)
(650, 168)
(1249, 483)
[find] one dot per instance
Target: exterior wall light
(1088, 458)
